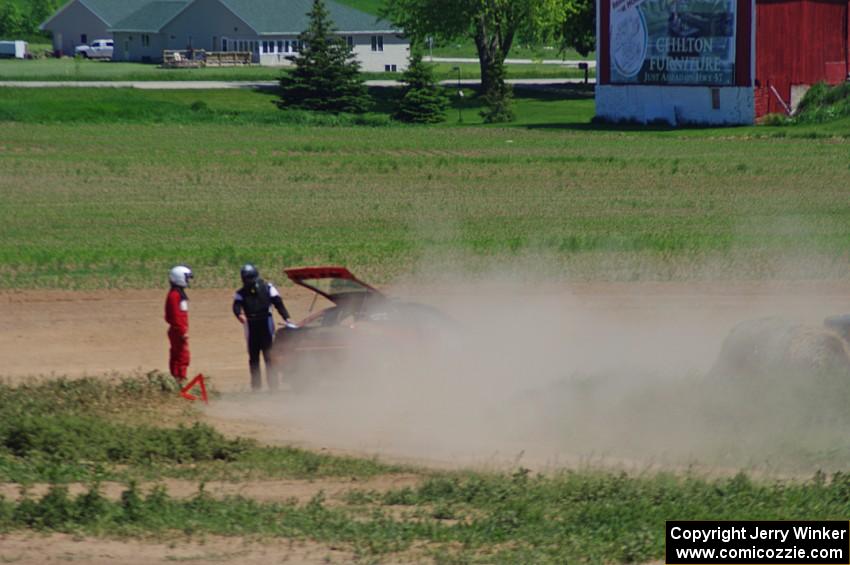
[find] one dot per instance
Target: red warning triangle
(198, 380)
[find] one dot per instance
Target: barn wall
(674, 104)
(677, 104)
(798, 43)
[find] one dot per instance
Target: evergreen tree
(326, 76)
(422, 100)
(11, 20)
(498, 98)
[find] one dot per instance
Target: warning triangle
(186, 393)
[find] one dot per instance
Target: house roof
(151, 17)
(264, 16)
(110, 11)
(290, 16)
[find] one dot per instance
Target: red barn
(798, 43)
(715, 61)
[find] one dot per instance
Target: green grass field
(108, 188)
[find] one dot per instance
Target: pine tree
(498, 98)
(422, 100)
(326, 76)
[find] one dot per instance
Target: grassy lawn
(68, 69)
(75, 431)
(536, 107)
(466, 48)
(128, 182)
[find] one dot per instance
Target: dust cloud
(525, 370)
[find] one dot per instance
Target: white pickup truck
(99, 49)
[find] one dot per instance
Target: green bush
(71, 438)
(823, 103)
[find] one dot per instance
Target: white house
(80, 22)
(267, 28)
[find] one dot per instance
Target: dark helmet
(249, 274)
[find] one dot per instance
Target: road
(561, 62)
(257, 84)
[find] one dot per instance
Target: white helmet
(180, 275)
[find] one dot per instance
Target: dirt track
(93, 333)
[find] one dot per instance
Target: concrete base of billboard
(675, 105)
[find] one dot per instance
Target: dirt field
(649, 325)
(33, 548)
(45, 333)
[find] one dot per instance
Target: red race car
(363, 330)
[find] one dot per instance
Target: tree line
(16, 22)
(326, 75)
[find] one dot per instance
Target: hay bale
(769, 345)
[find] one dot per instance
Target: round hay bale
(769, 345)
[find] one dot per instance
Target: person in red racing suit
(177, 317)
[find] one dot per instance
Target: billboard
(673, 42)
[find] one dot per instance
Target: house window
(350, 40)
(390, 68)
(146, 40)
(84, 39)
(296, 47)
(265, 46)
(377, 43)
(280, 47)
(224, 44)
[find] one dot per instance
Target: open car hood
(334, 283)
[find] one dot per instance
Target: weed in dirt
(520, 517)
(453, 517)
(86, 429)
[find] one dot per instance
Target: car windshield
(335, 286)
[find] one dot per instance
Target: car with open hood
(361, 326)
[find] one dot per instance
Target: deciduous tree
(40, 10)
(492, 24)
(578, 27)
(11, 20)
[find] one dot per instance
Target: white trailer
(13, 49)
